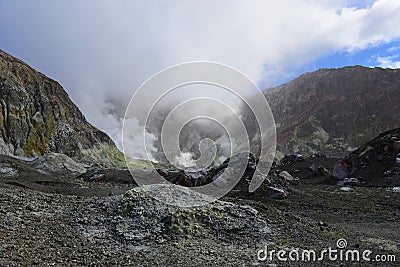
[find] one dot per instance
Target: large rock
(286, 176)
(58, 163)
(147, 218)
(341, 170)
(37, 116)
(376, 163)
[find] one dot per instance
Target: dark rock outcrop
(193, 177)
(375, 162)
(37, 116)
(333, 111)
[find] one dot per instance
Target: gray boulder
(341, 170)
(146, 218)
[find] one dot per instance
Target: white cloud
(391, 62)
(101, 51)
(393, 49)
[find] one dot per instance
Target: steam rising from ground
(185, 160)
(136, 138)
(194, 115)
(190, 137)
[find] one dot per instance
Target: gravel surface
(134, 230)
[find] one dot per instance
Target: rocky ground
(92, 220)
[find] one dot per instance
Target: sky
(102, 51)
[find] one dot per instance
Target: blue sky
(366, 57)
(385, 55)
(360, 3)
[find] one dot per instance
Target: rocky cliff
(37, 116)
(334, 111)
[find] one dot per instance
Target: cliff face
(334, 111)
(37, 116)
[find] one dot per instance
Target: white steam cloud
(136, 138)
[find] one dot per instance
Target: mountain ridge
(334, 111)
